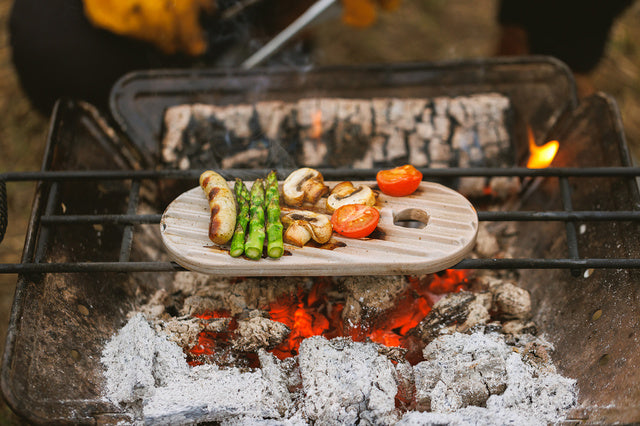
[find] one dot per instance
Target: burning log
(333, 132)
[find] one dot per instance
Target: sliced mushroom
(345, 193)
(302, 185)
(304, 225)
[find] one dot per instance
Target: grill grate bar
(329, 174)
(43, 237)
(516, 216)
(521, 263)
(570, 226)
(127, 235)
(49, 181)
(113, 219)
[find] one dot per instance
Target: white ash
(346, 382)
(339, 381)
(138, 359)
(459, 370)
(142, 365)
(207, 393)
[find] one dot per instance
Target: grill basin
(60, 321)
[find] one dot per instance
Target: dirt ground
(428, 30)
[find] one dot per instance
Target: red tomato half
(398, 182)
(355, 220)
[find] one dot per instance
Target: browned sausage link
(222, 205)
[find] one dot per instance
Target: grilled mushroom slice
(302, 185)
(304, 225)
(345, 193)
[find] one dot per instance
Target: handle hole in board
(411, 218)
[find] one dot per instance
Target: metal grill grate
(38, 237)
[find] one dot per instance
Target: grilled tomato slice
(398, 182)
(355, 220)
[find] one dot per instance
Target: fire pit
(86, 266)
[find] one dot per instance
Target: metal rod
(570, 226)
(517, 216)
(525, 263)
(43, 235)
(310, 15)
(23, 268)
(578, 264)
(127, 233)
(328, 173)
(112, 219)
(586, 216)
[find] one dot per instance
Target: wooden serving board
(449, 234)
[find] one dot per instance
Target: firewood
(334, 132)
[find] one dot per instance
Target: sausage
(222, 205)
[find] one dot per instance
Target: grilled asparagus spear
(275, 246)
(255, 237)
(242, 198)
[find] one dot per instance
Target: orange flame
(316, 124)
(541, 156)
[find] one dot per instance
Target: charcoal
(375, 292)
(445, 399)
(511, 301)
(405, 379)
(487, 245)
(195, 305)
(259, 333)
(346, 382)
(250, 158)
(458, 366)
(460, 371)
(156, 306)
(417, 149)
(274, 373)
(176, 120)
(183, 331)
(314, 153)
(477, 315)
(452, 308)
(427, 374)
(472, 187)
(137, 359)
(394, 353)
(334, 132)
(352, 312)
(440, 152)
(519, 327)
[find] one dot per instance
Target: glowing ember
(541, 156)
(316, 125)
(312, 313)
